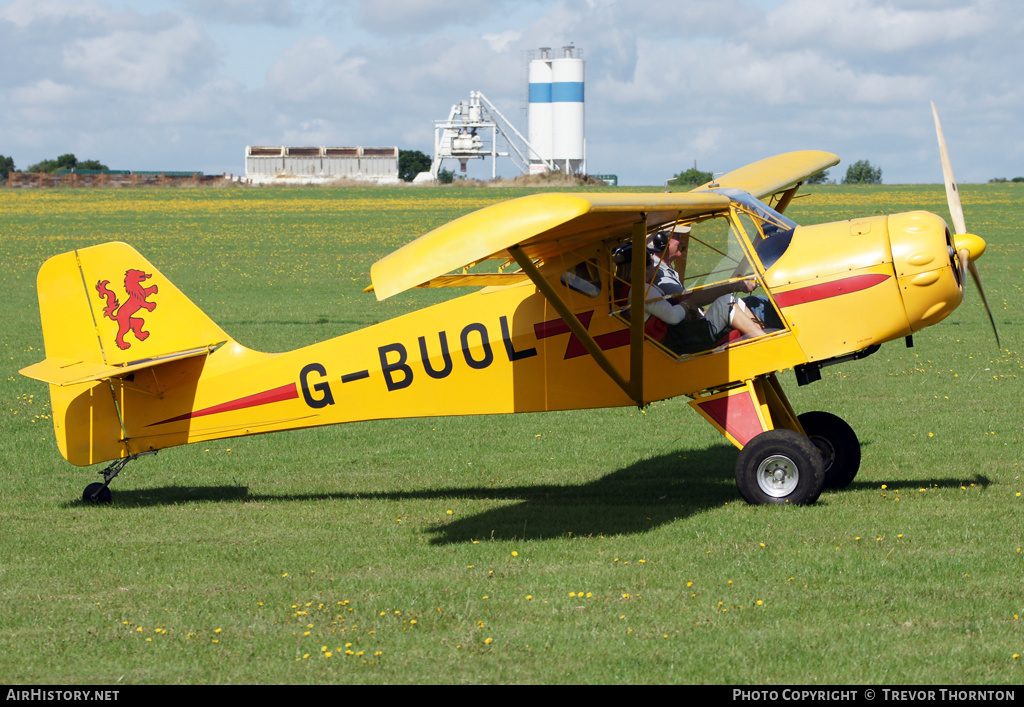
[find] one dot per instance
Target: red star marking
(575, 348)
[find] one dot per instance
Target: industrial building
(555, 112)
(306, 165)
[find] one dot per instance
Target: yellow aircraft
(550, 328)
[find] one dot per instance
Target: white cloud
(46, 93)
(316, 70)
(501, 41)
(245, 12)
(139, 61)
(862, 26)
(25, 13)
(388, 17)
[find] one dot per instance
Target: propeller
(969, 247)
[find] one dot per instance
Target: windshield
(771, 233)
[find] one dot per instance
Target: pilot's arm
(708, 295)
(666, 311)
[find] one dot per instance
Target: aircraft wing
(774, 174)
(543, 225)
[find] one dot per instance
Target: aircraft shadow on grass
(638, 498)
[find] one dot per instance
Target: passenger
(664, 312)
(682, 325)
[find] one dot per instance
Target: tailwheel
(780, 466)
(838, 444)
(96, 493)
(100, 493)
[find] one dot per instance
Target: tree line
(68, 162)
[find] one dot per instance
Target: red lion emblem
(123, 314)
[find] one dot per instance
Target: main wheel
(780, 466)
(838, 444)
(90, 495)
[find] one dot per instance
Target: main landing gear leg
(100, 493)
(783, 458)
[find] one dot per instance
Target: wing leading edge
(774, 174)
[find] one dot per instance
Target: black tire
(104, 495)
(780, 466)
(838, 444)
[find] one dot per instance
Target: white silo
(568, 144)
(539, 115)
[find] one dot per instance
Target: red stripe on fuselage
(827, 290)
(285, 392)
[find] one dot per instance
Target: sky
(188, 84)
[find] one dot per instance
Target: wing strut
(635, 385)
(637, 274)
(787, 196)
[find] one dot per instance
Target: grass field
(602, 546)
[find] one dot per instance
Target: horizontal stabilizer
(62, 371)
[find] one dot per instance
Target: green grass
(601, 546)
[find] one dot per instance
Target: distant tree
(411, 163)
(92, 164)
(6, 166)
(818, 178)
(1004, 180)
(863, 173)
(446, 176)
(690, 178)
(68, 161)
(44, 166)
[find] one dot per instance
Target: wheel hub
(778, 476)
(828, 452)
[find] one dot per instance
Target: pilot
(672, 265)
(672, 245)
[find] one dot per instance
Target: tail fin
(107, 312)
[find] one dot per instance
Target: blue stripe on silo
(540, 93)
(566, 91)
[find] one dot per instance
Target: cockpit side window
(584, 278)
(702, 291)
(712, 255)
